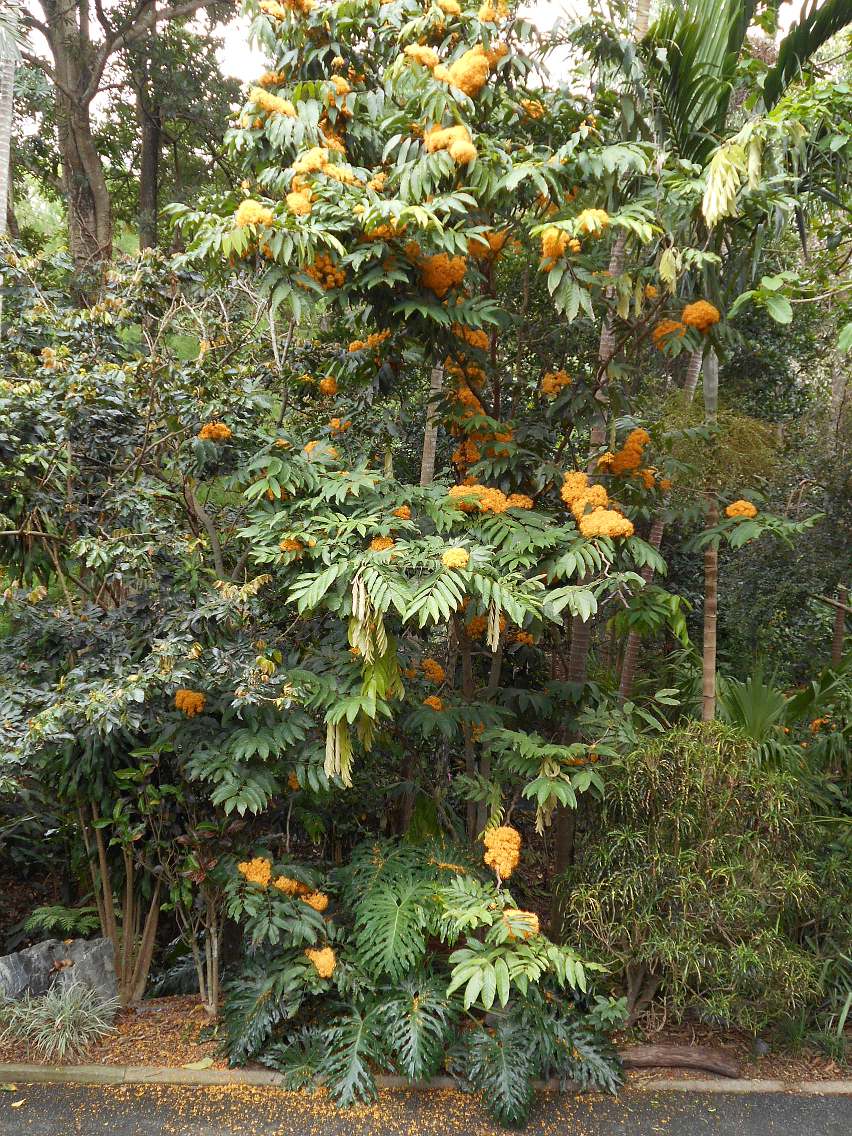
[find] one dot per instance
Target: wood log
(680, 1057)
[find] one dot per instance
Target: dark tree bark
(78, 60)
(149, 116)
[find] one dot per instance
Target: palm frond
(801, 42)
(692, 52)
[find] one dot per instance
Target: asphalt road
(160, 1110)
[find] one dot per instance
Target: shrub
(421, 961)
(63, 1023)
(694, 879)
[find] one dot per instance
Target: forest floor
(174, 1031)
(160, 1110)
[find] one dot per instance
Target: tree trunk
(149, 116)
(711, 586)
(83, 181)
(631, 650)
(690, 383)
(711, 557)
(839, 627)
(606, 345)
(430, 433)
(149, 174)
(7, 85)
(86, 193)
(640, 20)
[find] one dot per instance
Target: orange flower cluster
(341, 90)
(252, 212)
(580, 496)
(605, 522)
(701, 315)
(741, 508)
(191, 702)
(286, 884)
(434, 703)
(502, 850)
(381, 544)
(554, 243)
(474, 336)
(257, 871)
(312, 161)
(214, 432)
(293, 783)
(490, 13)
(326, 272)
(524, 638)
(329, 451)
(280, 11)
(340, 425)
(553, 382)
(372, 341)
(533, 108)
(487, 244)
(317, 900)
(455, 558)
(433, 671)
(528, 918)
(272, 79)
(290, 544)
(470, 71)
(629, 457)
(423, 55)
(300, 199)
(665, 330)
(324, 960)
(592, 221)
(477, 625)
(403, 512)
(455, 140)
(328, 386)
(272, 104)
(440, 272)
(487, 499)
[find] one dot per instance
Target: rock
(53, 962)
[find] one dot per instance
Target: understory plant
(696, 877)
(63, 1023)
(409, 959)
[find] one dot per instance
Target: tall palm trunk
(711, 558)
(7, 83)
(640, 20)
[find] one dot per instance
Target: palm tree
(10, 39)
(691, 56)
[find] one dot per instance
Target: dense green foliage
(361, 560)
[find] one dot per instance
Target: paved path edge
(166, 1075)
